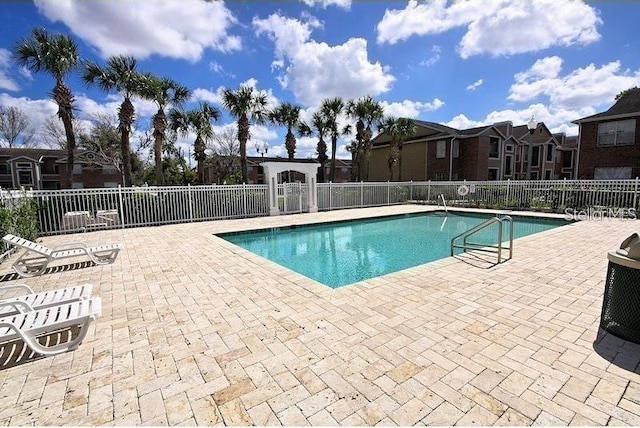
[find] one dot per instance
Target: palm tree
(406, 129)
(399, 130)
(320, 125)
(162, 91)
(287, 114)
(246, 106)
(58, 56)
(367, 112)
(119, 74)
(198, 121)
(330, 110)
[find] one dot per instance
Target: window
(494, 147)
(109, 170)
(493, 174)
(508, 165)
(456, 149)
(77, 169)
(23, 165)
(549, 152)
(441, 149)
(110, 184)
(620, 173)
(547, 174)
(567, 159)
(508, 148)
(619, 133)
(4, 168)
(535, 156)
(441, 176)
(78, 185)
(25, 178)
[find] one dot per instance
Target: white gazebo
(271, 171)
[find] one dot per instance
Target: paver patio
(195, 330)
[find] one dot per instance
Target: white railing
(61, 211)
(76, 210)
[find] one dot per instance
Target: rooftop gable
(627, 106)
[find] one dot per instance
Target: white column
(313, 193)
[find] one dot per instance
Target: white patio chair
(16, 298)
(37, 257)
(54, 320)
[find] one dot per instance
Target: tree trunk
(243, 136)
(126, 116)
(332, 170)
(159, 126)
(63, 97)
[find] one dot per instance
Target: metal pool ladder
(441, 198)
(498, 248)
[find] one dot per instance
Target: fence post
(429, 190)
(635, 195)
(330, 196)
(564, 184)
(244, 199)
(120, 201)
(361, 194)
(411, 190)
(190, 202)
(388, 194)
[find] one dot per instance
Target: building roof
(627, 106)
(33, 153)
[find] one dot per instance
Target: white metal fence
(61, 211)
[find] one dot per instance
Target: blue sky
(463, 64)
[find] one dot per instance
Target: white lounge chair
(37, 257)
(18, 298)
(31, 325)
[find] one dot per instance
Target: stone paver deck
(197, 331)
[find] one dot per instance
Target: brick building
(493, 152)
(44, 169)
(609, 142)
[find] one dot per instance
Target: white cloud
(314, 71)
(434, 58)
(410, 109)
(475, 85)
(5, 65)
(495, 27)
(215, 97)
(344, 4)
(176, 29)
(37, 111)
(586, 86)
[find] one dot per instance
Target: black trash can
(621, 304)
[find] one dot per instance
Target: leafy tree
(367, 112)
(104, 139)
(53, 133)
(225, 159)
(321, 127)
(246, 105)
(162, 91)
(198, 121)
(15, 128)
(625, 92)
(120, 75)
(330, 109)
(58, 56)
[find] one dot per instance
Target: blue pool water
(345, 252)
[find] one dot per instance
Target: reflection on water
(341, 253)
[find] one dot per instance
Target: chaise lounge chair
(41, 256)
(52, 321)
(18, 298)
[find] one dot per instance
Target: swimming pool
(341, 253)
